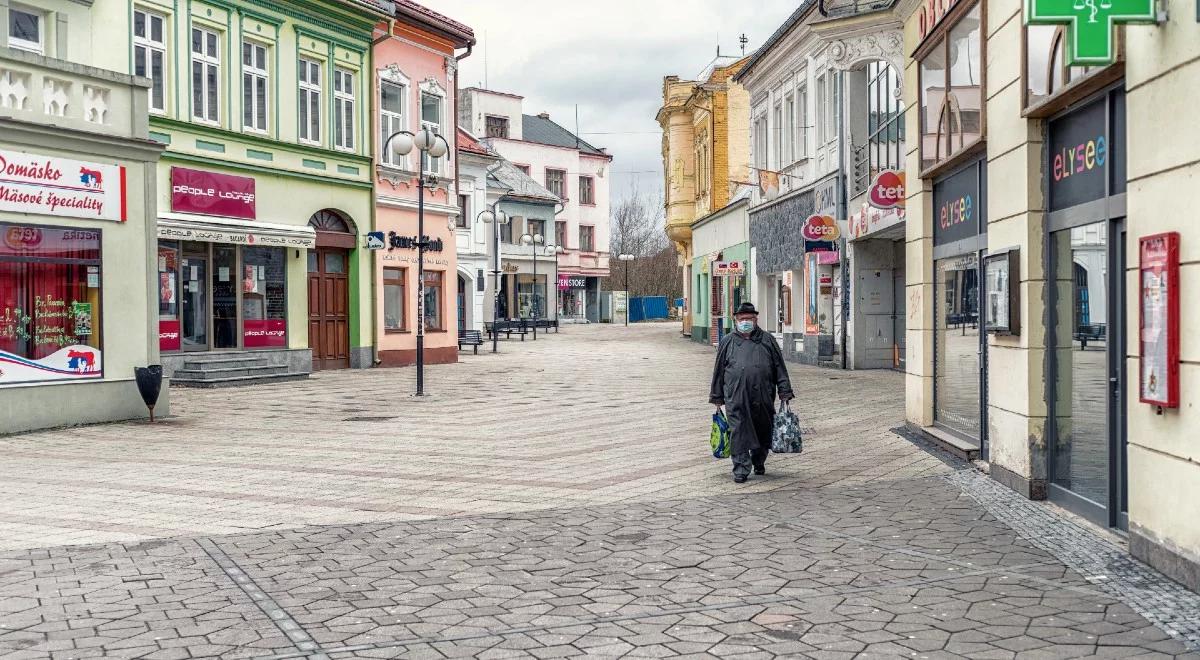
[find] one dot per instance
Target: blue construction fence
(648, 308)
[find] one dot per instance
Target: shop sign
(375, 240)
(1083, 152)
(398, 242)
(70, 363)
(168, 331)
(212, 193)
(235, 237)
(870, 220)
(957, 207)
(264, 333)
(727, 268)
(887, 190)
(1158, 292)
(46, 185)
(820, 228)
(1088, 39)
(931, 14)
(825, 197)
(567, 282)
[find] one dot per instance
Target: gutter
(376, 361)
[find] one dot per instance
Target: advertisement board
(212, 193)
(46, 185)
(1158, 295)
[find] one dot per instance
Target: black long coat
(747, 374)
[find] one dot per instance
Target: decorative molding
(431, 86)
(394, 74)
(849, 53)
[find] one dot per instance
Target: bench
(507, 328)
(473, 338)
(548, 324)
(1085, 333)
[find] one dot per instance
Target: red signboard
(168, 336)
(820, 228)
(268, 333)
(212, 193)
(887, 190)
(1158, 295)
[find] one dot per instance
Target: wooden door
(329, 308)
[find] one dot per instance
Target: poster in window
(166, 288)
(250, 282)
(812, 286)
(93, 277)
(83, 319)
(1159, 301)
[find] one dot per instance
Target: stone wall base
(408, 357)
(1175, 563)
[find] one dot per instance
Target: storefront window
(264, 297)
(1045, 71)
(952, 91)
(168, 296)
(393, 298)
(957, 345)
(434, 318)
(49, 302)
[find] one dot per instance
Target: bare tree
(637, 229)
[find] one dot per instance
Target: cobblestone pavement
(569, 511)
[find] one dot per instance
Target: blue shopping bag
(719, 438)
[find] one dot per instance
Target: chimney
(544, 115)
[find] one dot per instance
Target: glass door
(194, 334)
(1087, 465)
(959, 358)
(225, 297)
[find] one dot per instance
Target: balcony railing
(847, 8)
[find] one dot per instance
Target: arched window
(1046, 72)
(333, 229)
(951, 86)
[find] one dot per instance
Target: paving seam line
(283, 621)
(1105, 564)
(751, 601)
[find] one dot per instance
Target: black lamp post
(557, 249)
(534, 240)
(496, 218)
(430, 145)
(628, 299)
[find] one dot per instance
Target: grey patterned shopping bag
(786, 437)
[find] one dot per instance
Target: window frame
(464, 212)
(149, 47)
(430, 165)
(562, 192)
(487, 127)
(251, 74)
(401, 282)
(777, 132)
(440, 298)
(1100, 78)
(560, 233)
(206, 62)
(761, 140)
(940, 36)
(39, 46)
(802, 121)
(789, 127)
(588, 246)
(345, 136)
(391, 122)
(307, 90)
(590, 198)
(877, 84)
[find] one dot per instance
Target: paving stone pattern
(550, 533)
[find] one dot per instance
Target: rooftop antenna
(743, 40)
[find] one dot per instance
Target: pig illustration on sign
(81, 361)
(91, 178)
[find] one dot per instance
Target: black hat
(746, 308)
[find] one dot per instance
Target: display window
(393, 299)
(952, 88)
(434, 314)
(50, 309)
(221, 297)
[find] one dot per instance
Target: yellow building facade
(706, 154)
(1033, 188)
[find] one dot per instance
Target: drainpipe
(843, 207)
(375, 335)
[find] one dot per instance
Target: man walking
(748, 373)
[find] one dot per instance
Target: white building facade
(571, 169)
(475, 241)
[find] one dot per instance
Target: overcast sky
(609, 58)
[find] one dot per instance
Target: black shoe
(760, 470)
(740, 478)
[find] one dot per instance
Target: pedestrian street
(556, 499)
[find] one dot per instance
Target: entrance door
(329, 308)
(1088, 439)
(194, 332)
(462, 305)
(225, 297)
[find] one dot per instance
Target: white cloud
(609, 58)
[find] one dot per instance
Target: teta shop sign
(212, 193)
(887, 190)
(820, 228)
(46, 185)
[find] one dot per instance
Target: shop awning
(237, 232)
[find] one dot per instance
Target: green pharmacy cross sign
(1090, 23)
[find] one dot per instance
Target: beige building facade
(1030, 188)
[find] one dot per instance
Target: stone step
(224, 362)
(238, 381)
(206, 373)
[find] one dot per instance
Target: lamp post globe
(496, 218)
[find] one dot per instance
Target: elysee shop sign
(46, 185)
(212, 193)
(1086, 152)
(959, 206)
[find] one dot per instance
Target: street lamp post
(534, 240)
(626, 258)
(558, 249)
(495, 218)
(430, 145)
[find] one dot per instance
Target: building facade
(721, 269)
(797, 214)
(573, 171)
(76, 220)
(527, 265)
(476, 241)
(1042, 235)
(266, 183)
(415, 61)
(706, 160)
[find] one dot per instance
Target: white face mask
(745, 327)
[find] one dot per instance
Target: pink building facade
(416, 59)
